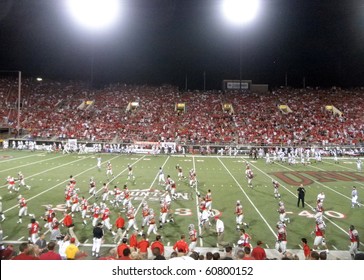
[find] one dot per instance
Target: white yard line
(45, 171)
(197, 205)
(17, 158)
(35, 162)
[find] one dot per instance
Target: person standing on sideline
(359, 164)
(72, 249)
(354, 198)
(120, 226)
(98, 234)
(301, 196)
(354, 241)
(258, 252)
(181, 246)
(220, 228)
(306, 249)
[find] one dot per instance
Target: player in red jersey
(34, 229)
(354, 241)
(320, 230)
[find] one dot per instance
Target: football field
(48, 175)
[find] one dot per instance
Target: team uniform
(192, 232)
(354, 198)
(244, 239)
(161, 178)
(11, 184)
(152, 227)
(105, 192)
(109, 169)
(130, 173)
(208, 199)
(96, 213)
(319, 209)
(22, 181)
(130, 214)
(276, 189)
(98, 163)
(34, 229)
(193, 178)
(359, 164)
(75, 207)
(249, 175)
(92, 188)
(145, 216)
(320, 229)
(282, 213)
(239, 215)
(23, 208)
(180, 173)
(354, 241)
(281, 243)
(84, 209)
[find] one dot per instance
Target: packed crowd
(52, 110)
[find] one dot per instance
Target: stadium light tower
(94, 14)
(240, 12)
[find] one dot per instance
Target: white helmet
(191, 227)
(19, 196)
(238, 202)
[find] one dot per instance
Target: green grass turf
(48, 174)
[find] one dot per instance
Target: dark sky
(163, 41)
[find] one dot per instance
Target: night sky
(164, 41)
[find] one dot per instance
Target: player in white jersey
(22, 181)
(193, 178)
(105, 192)
(11, 184)
(161, 178)
(276, 189)
(359, 164)
(239, 215)
(321, 197)
(336, 160)
(92, 189)
(109, 170)
(192, 232)
(282, 213)
(84, 209)
(354, 198)
(152, 227)
(267, 158)
(99, 163)
(249, 175)
(130, 173)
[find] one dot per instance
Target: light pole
(240, 12)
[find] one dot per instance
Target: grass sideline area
(48, 174)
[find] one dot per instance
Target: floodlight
(240, 11)
(94, 14)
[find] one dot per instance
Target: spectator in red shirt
(158, 244)
(306, 249)
(122, 247)
(68, 222)
(133, 241)
(247, 253)
(143, 246)
(181, 246)
(24, 253)
(50, 254)
(258, 252)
